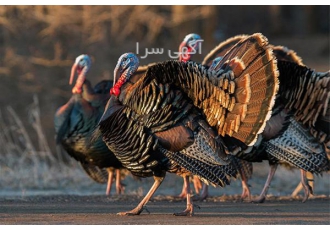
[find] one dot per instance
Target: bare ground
(216, 210)
(82, 202)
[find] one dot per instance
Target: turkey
(283, 53)
(176, 115)
(190, 45)
(321, 135)
(75, 120)
(283, 110)
(309, 100)
(244, 167)
(212, 59)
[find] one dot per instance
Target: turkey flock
(248, 101)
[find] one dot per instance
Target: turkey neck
(129, 84)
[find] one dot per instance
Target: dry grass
(27, 165)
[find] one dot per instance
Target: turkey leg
(110, 179)
(310, 179)
(245, 186)
(190, 208)
(140, 207)
(263, 193)
(119, 187)
(307, 189)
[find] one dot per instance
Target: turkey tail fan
(284, 54)
(256, 85)
(306, 92)
(97, 174)
(222, 49)
(281, 52)
(238, 98)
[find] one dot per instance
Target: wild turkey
(75, 120)
(285, 54)
(320, 134)
(176, 115)
(212, 59)
(245, 168)
(285, 57)
(309, 100)
(187, 48)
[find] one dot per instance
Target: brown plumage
(280, 120)
(204, 106)
(196, 181)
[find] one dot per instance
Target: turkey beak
(73, 71)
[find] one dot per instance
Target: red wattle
(186, 56)
(115, 91)
(116, 88)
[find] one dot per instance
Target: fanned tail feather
(260, 69)
(222, 49)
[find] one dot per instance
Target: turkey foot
(134, 212)
(190, 207)
(189, 210)
(141, 206)
(262, 196)
(307, 188)
(310, 180)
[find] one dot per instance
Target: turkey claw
(145, 208)
(189, 210)
(259, 200)
(133, 212)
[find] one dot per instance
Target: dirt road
(77, 210)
